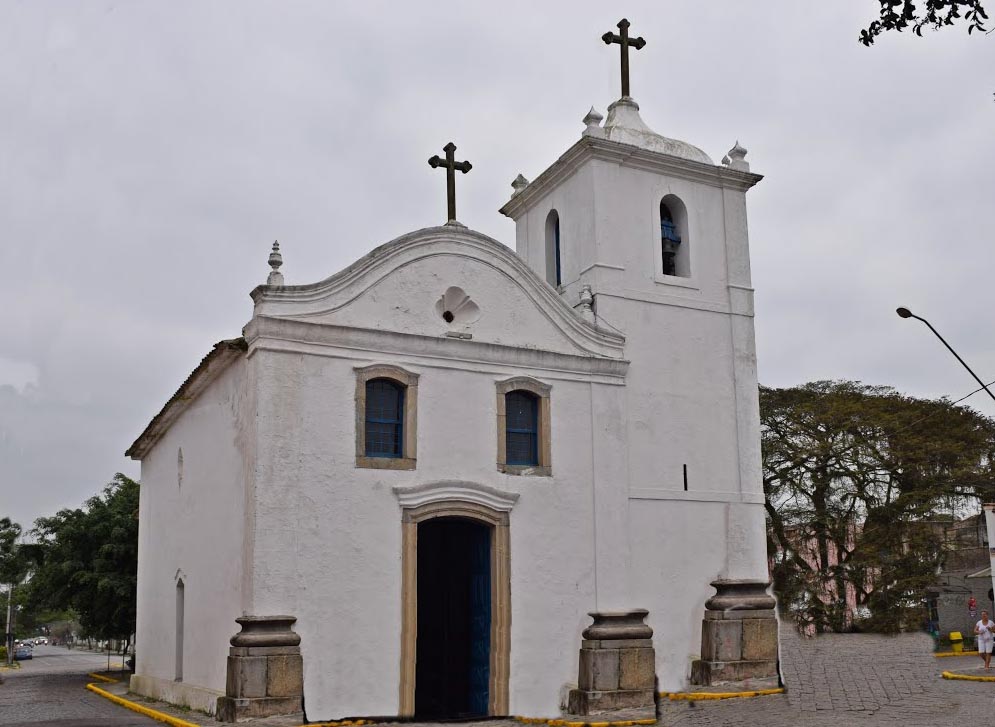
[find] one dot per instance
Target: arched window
(670, 238)
(554, 271)
(384, 418)
(675, 253)
(522, 428)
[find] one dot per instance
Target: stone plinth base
(735, 675)
(617, 665)
(232, 709)
(265, 670)
(738, 637)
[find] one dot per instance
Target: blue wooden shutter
(384, 418)
(522, 428)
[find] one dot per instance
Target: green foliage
(87, 561)
(13, 563)
(855, 477)
(918, 14)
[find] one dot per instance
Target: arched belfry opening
(674, 246)
(554, 268)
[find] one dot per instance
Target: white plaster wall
(681, 399)
(573, 201)
(610, 216)
(328, 546)
(406, 301)
(678, 547)
(195, 529)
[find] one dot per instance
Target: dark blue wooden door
(453, 651)
(480, 621)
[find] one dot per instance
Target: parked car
(22, 652)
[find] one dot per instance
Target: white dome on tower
(625, 126)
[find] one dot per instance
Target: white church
(458, 480)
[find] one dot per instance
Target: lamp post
(9, 632)
(987, 510)
(906, 313)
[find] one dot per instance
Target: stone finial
(519, 184)
(586, 304)
(275, 261)
(593, 123)
(726, 160)
(737, 158)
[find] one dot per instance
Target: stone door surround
(482, 504)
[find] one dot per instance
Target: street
(50, 690)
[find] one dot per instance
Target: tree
(855, 478)
(12, 565)
(918, 14)
(13, 568)
(87, 561)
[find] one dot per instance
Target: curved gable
(410, 284)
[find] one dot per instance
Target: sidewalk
(859, 680)
(119, 688)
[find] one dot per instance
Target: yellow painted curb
(967, 677)
(559, 722)
(701, 696)
(135, 707)
(941, 654)
(101, 678)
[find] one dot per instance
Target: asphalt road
(50, 690)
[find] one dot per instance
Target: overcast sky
(151, 153)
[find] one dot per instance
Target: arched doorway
(452, 672)
(456, 608)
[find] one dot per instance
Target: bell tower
(646, 235)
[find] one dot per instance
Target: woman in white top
(985, 629)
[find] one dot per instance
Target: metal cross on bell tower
(451, 166)
(624, 41)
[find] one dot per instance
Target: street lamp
(906, 313)
(988, 509)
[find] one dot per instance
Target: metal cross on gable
(452, 166)
(624, 41)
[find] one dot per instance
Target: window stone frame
(542, 391)
(409, 381)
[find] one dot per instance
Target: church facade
(457, 480)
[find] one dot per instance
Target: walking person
(985, 630)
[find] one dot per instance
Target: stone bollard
(617, 665)
(265, 670)
(738, 637)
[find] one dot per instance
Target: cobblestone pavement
(61, 700)
(855, 680)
